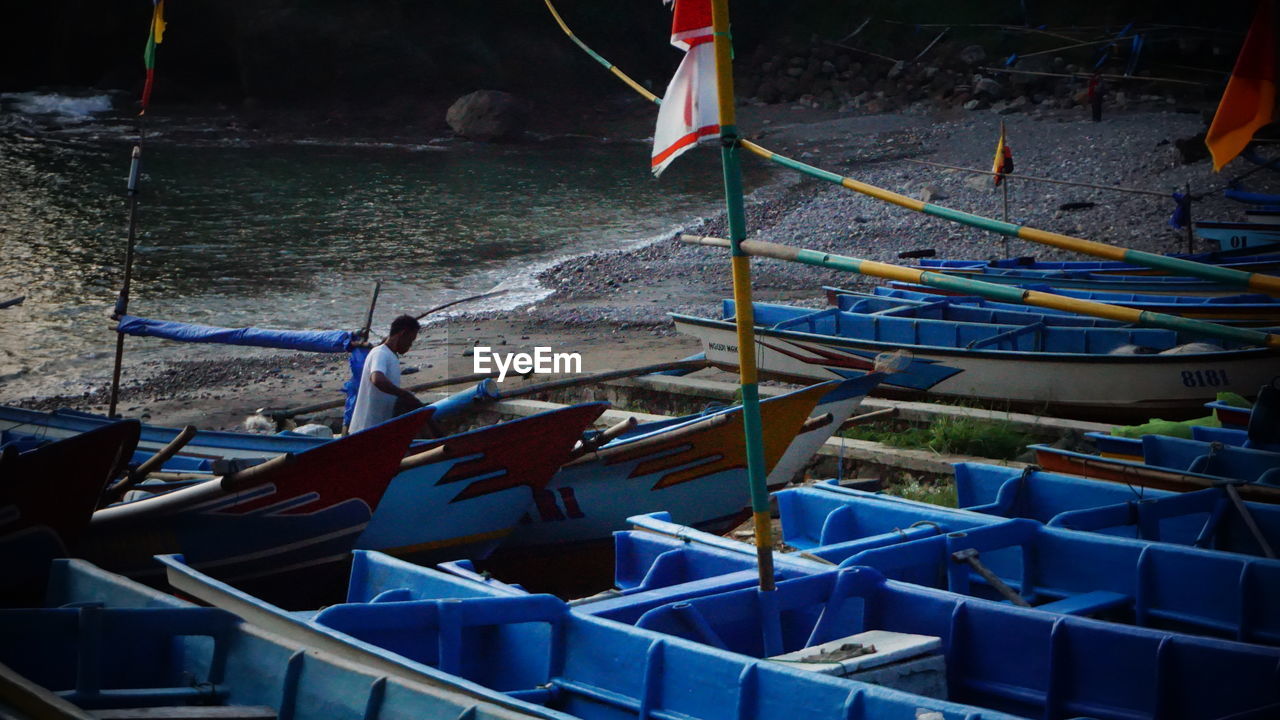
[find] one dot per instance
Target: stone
(897, 69)
(487, 115)
(930, 193)
(975, 104)
(981, 183)
(986, 87)
(973, 54)
(828, 67)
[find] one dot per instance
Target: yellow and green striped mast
(737, 217)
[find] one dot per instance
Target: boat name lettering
(1204, 378)
(721, 347)
(542, 360)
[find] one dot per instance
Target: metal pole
(1005, 185)
(742, 295)
(122, 300)
(1190, 235)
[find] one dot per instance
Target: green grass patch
(950, 436)
(939, 492)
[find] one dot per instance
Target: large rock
(487, 115)
(988, 88)
(973, 54)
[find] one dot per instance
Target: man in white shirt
(380, 391)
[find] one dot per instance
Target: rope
(1033, 178)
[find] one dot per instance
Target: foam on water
(64, 108)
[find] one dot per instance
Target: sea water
(235, 228)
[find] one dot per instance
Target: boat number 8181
(1204, 378)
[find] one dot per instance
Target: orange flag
(1250, 98)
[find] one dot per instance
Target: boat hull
(1239, 236)
(697, 471)
(300, 517)
(1134, 386)
(428, 514)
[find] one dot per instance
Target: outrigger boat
(1079, 370)
(1170, 463)
(1240, 235)
(105, 646)
(1240, 309)
(536, 649)
(1209, 518)
(692, 465)
(1022, 563)
(462, 497)
(295, 516)
(854, 621)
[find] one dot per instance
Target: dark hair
(402, 323)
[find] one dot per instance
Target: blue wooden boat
(1241, 309)
(537, 650)
(1238, 235)
(1086, 280)
(48, 492)
(941, 307)
(1170, 463)
(1206, 518)
(1249, 263)
(1145, 583)
(104, 646)
(1023, 661)
(483, 477)
(1130, 372)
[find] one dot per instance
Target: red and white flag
(690, 110)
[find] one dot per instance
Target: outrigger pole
(122, 300)
(1259, 282)
(741, 262)
(1003, 293)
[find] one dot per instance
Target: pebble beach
(611, 307)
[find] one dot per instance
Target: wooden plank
(188, 712)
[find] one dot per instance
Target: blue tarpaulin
(325, 341)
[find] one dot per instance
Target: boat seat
(187, 712)
(1087, 603)
(1006, 335)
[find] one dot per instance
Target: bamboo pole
(368, 316)
(741, 263)
(536, 388)
(1176, 266)
(1033, 178)
(1105, 76)
(1259, 282)
(451, 303)
(122, 300)
(1003, 293)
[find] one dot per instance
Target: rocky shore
(612, 307)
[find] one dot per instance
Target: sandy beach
(611, 307)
